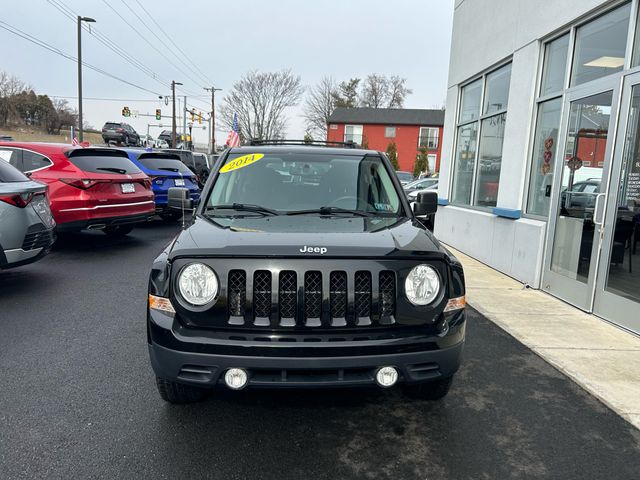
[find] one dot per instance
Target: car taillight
(19, 200)
(82, 183)
(147, 182)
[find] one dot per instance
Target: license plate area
(128, 187)
(179, 182)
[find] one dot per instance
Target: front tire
(118, 230)
(434, 390)
(179, 393)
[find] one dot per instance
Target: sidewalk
(603, 359)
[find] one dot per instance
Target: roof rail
(310, 143)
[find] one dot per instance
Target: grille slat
(338, 298)
(262, 297)
(237, 295)
(313, 298)
(362, 285)
(287, 292)
(387, 283)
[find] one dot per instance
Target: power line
(65, 97)
(179, 69)
(106, 41)
(195, 67)
(16, 31)
(159, 38)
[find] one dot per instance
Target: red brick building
(377, 127)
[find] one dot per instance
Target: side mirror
(426, 204)
(179, 199)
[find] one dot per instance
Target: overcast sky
(225, 39)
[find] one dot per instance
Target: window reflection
(622, 279)
(601, 45)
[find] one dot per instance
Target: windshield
(290, 182)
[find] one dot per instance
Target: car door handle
(598, 211)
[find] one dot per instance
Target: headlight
(197, 284)
(422, 285)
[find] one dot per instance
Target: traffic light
(126, 112)
(200, 118)
(192, 112)
(158, 114)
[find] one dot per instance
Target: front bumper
(201, 359)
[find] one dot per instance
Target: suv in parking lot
(120, 133)
(304, 266)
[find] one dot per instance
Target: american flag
(233, 140)
(74, 141)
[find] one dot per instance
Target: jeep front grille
(309, 299)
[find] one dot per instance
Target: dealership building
(540, 177)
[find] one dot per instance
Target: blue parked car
(165, 171)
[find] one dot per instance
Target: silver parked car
(26, 223)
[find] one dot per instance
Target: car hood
(306, 235)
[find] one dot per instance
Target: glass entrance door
(575, 229)
(617, 292)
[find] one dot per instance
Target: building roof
(388, 116)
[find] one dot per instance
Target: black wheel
(118, 230)
(174, 392)
(434, 390)
(170, 216)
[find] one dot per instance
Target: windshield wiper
(246, 207)
(330, 211)
(168, 169)
(112, 169)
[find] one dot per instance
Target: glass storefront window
(465, 163)
(544, 152)
(497, 92)
(555, 65)
(600, 46)
(470, 106)
(490, 160)
(623, 277)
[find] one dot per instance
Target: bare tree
(380, 91)
(260, 99)
(319, 105)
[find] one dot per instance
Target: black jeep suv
(303, 266)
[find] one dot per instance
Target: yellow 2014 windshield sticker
(241, 162)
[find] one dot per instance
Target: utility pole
(80, 20)
(184, 123)
(173, 116)
(212, 141)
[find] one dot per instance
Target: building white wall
(486, 33)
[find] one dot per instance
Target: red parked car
(89, 188)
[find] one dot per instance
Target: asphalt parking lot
(78, 399)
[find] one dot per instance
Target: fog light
(236, 378)
(386, 376)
